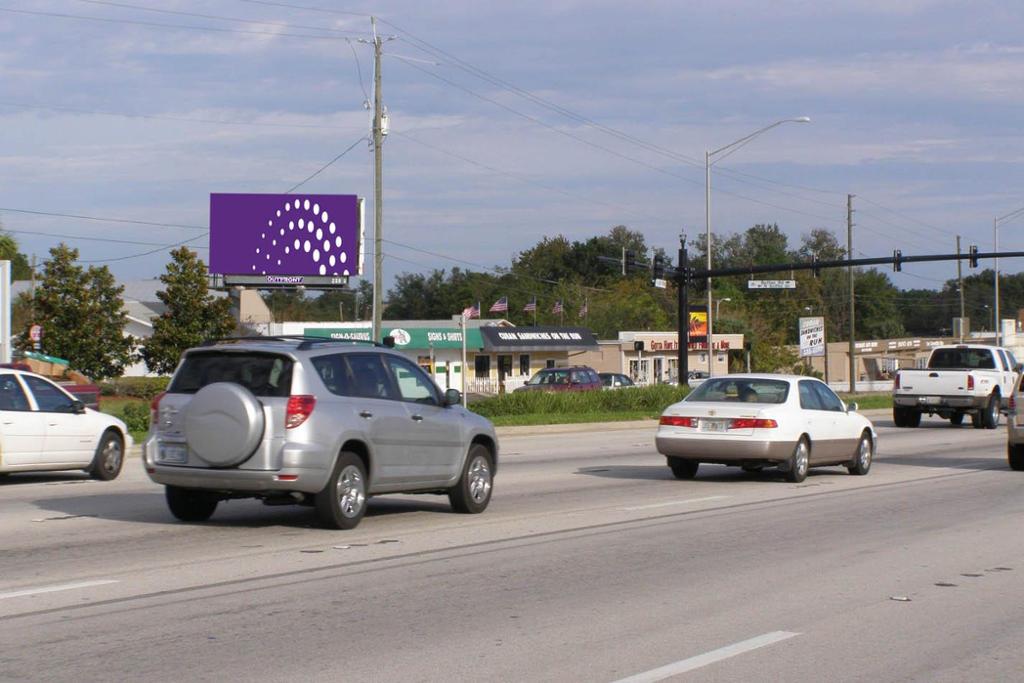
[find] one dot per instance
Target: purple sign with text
(277, 234)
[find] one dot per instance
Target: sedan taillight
(299, 408)
(678, 421)
(752, 423)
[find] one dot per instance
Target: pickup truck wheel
(990, 417)
(911, 417)
(683, 468)
(473, 492)
(799, 462)
(976, 420)
(342, 502)
(861, 462)
(899, 416)
(1015, 456)
(956, 419)
(109, 458)
(190, 505)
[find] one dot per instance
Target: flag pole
(462, 320)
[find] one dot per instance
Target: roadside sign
(35, 333)
(812, 337)
(660, 283)
(771, 284)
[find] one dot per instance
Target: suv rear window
(264, 374)
(971, 359)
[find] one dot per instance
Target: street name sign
(771, 284)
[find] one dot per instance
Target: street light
(995, 238)
(709, 161)
(718, 303)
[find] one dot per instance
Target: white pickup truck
(962, 379)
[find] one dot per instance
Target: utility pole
(853, 299)
(960, 281)
(378, 213)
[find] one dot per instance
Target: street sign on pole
(35, 334)
(771, 284)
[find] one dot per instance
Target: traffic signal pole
(682, 290)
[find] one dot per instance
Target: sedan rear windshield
(264, 374)
(971, 359)
(741, 390)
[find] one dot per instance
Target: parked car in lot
(615, 380)
(325, 423)
(1015, 427)
(755, 420)
(43, 427)
(962, 379)
(577, 378)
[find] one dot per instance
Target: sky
(512, 121)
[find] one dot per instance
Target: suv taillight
(970, 382)
(299, 409)
(154, 408)
(896, 382)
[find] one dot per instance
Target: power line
(516, 176)
(179, 119)
(187, 27)
(145, 253)
(103, 219)
(324, 167)
(87, 238)
(141, 8)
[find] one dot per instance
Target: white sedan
(43, 427)
(752, 420)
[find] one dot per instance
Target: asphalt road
(592, 564)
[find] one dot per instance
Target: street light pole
(710, 161)
(995, 239)
(718, 304)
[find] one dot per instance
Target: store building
(653, 357)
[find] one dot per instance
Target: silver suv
(316, 422)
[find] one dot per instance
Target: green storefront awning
(406, 337)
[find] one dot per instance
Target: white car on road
(787, 421)
(43, 427)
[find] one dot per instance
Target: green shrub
(651, 399)
(136, 417)
(135, 387)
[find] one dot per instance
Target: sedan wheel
(1015, 457)
(799, 462)
(682, 468)
(109, 458)
(861, 462)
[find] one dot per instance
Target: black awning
(506, 339)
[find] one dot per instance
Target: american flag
(472, 311)
(532, 306)
(500, 306)
(583, 309)
(557, 308)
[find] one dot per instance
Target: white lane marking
(684, 665)
(55, 588)
(673, 502)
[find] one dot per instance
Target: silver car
(314, 422)
(1015, 427)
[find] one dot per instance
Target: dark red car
(578, 378)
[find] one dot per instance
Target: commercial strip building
(499, 356)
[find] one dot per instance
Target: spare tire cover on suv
(223, 423)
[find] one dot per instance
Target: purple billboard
(285, 237)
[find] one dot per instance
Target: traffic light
(658, 267)
(974, 256)
(897, 260)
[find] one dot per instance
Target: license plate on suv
(173, 454)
